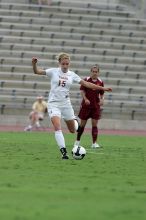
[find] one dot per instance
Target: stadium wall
(113, 124)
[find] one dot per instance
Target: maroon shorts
(86, 113)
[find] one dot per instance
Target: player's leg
(39, 117)
(70, 119)
(94, 133)
(84, 115)
(55, 116)
(95, 116)
(71, 125)
(32, 119)
(80, 132)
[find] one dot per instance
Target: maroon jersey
(93, 110)
(92, 95)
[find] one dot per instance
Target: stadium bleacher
(92, 32)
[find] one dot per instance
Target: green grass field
(36, 184)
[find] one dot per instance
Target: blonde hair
(62, 56)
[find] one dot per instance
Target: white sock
(60, 138)
(77, 143)
(76, 124)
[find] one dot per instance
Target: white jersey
(60, 84)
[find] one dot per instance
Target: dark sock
(94, 134)
(80, 132)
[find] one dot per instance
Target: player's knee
(72, 130)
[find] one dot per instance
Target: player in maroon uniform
(90, 106)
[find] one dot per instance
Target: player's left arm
(93, 86)
(101, 95)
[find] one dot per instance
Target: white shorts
(40, 115)
(65, 112)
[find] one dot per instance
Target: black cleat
(64, 153)
(65, 157)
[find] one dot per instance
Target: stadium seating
(107, 34)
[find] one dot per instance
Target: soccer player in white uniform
(59, 104)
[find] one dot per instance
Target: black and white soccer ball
(78, 152)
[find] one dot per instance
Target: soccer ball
(78, 152)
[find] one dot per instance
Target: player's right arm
(83, 94)
(37, 70)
